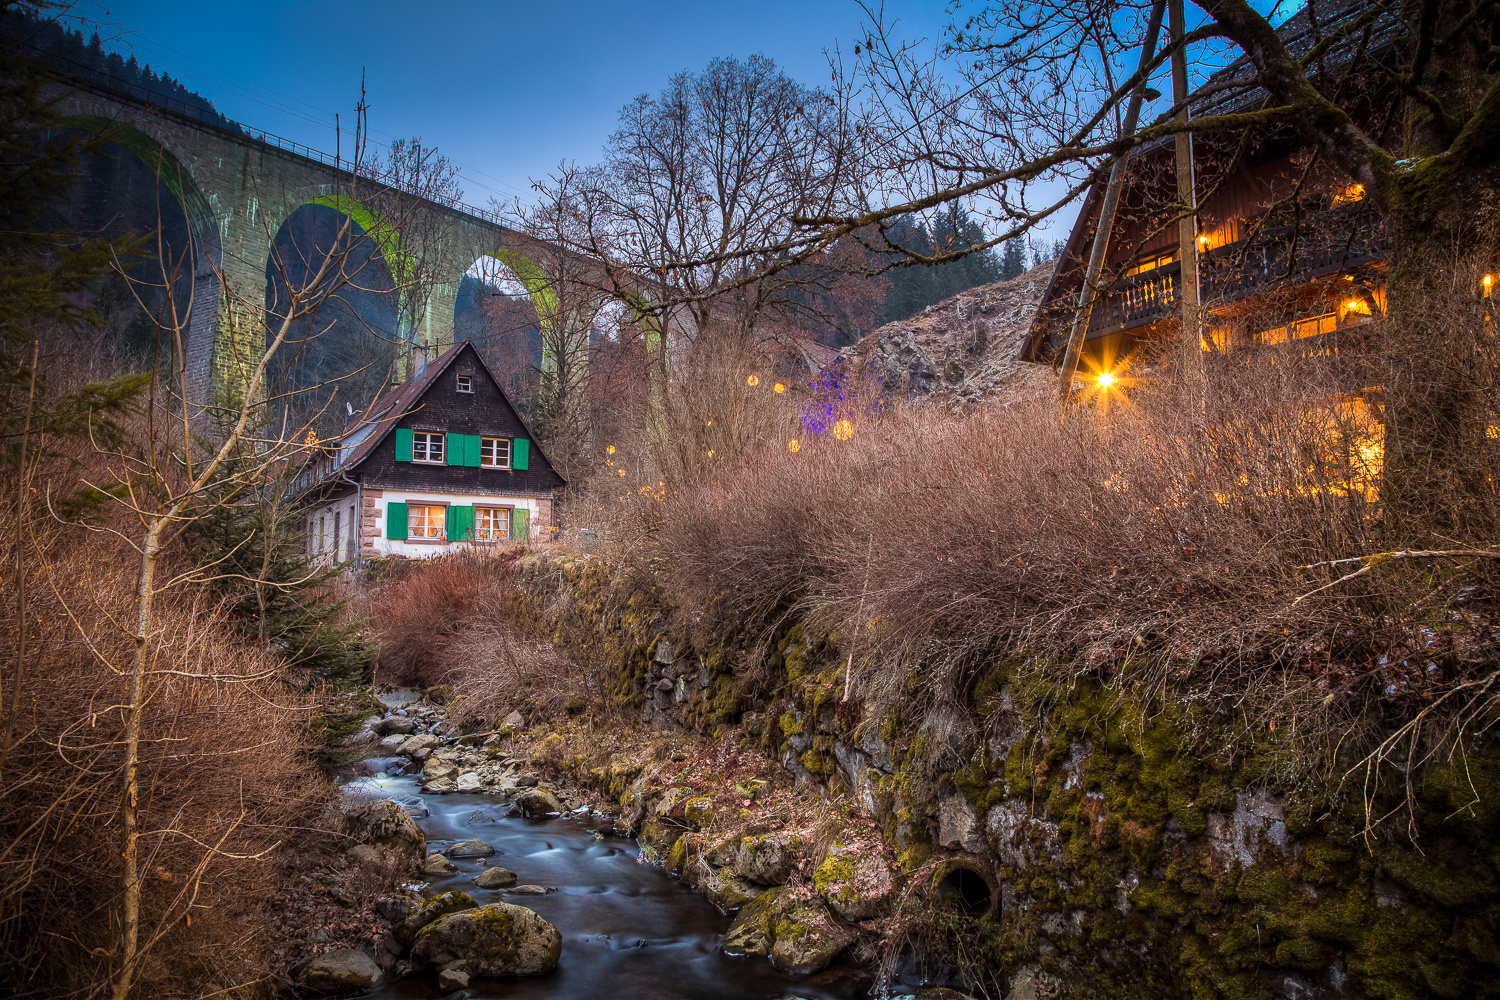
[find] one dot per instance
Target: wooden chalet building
(1287, 248)
(442, 461)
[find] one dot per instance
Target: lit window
(491, 524)
(1349, 195)
(427, 447)
(426, 521)
(465, 384)
(494, 453)
(1151, 263)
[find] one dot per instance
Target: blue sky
(505, 89)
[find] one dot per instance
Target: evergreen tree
(914, 288)
(1013, 259)
(48, 277)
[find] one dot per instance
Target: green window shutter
(460, 524)
(455, 449)
(395, 513)
(403, 447)
(471, 450)
(520, 453)
(520, 525)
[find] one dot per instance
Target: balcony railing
(1324, 243)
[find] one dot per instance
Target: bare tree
(688, 217)
(179, 469)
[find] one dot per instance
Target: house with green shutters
(442, 461)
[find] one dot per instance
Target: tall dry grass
(1124, 539)
(232, 803)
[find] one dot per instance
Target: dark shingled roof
(382, 414)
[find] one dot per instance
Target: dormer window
(465, 383)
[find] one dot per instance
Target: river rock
(471, 849)
(469, 782)
(420, 746)
(395, 724)
(391, 744)
(495, 940)
(854, 887)
(383, 824)
(436, 864)
(530, 890)
(412, 804)
(338, 972)
(494, 878)
(454, 977)
(397, 906)
(535, 803)
(768, 860)
(515, 720)
(437, 906)
(437, 770)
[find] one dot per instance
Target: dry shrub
(455, 620)
(1121, 539)
(418, 614)
(230, 799)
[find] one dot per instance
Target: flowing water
(629, 930)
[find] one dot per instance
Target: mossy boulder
(698, 811)
(500, 939)
(854, 887)
(437, 906)
(800, 936)
(753, 932)
(768, 860)
(726, 890)
(537, 803)
(807, 939)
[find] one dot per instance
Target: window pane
(424, 521)
(495, 452)
(490, 524)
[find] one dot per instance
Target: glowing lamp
(794, 446)
(622, 472)
(779, 387)
(753, 380)
(1353, 304)
(610, 450)
(843, 430)
(1106, 380)
(1489, 280)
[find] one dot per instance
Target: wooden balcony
(1323, 243)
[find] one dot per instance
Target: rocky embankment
(409, 932)
(803, 885)
(965, 348)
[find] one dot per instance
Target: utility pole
(1107, 211)
(1187, 226)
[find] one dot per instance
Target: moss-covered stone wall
(1127, 849)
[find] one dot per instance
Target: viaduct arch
(238, 187)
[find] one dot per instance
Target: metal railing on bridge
(113, 86)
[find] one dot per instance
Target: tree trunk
(130, 909)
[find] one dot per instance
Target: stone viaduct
(238, 186)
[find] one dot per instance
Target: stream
(629, 930)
